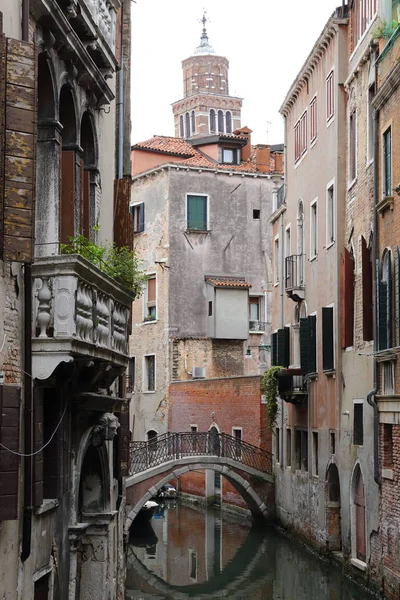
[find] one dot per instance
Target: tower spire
(204, 47)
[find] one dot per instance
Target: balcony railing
(103, 15)
(77, 310)
(294, 273)
(257, 326)
(292, 386)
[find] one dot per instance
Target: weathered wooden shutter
(381, 308)
(283, 354)
(141, 217)
(397, 295)
(124, 439)
(10, 399)
(327, 339)
(304, 337)
(274, 353)
(67, 208)
(20, 62)
(389, 304)
(312, 344)
(367, 292)
(123, 222)
(347, 299)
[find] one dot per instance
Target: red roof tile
(167, 145)
(228, 282)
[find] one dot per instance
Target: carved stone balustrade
(78, 312)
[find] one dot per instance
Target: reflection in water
(202, 553)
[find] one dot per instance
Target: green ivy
(269, 387)
(122, 264)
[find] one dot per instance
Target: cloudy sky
(266, 43)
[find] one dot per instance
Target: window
(193, 428)
(363, 14)
(287, 242)
(370, 125)
(288, 447)
(130, 380)
(388, 377)
(237, 434)
(254, 308)
(367, 279)
(193, 122)
(387, 162)
(193, 565)
(300, 137)
(231, 156)
(384, 302)
(330, 215)
(137, 211)
(187, 125)
(228, 122)
(308, 344)
(197, 213)
(281, 347)
(297, 448)
(152, 440)
(301, 449)
(328, 351)
(347, 274)
(330, 96)
(332, 437)
(276, 259)
(277, 445)
(220, 121)
(387, 445)
(358, 423)
(256, 213)
(149, 375)
(212, 121)
(150, 298)
(210, 308)
(313, 230)
(41, 591)
(315, 452)
(352, 147)
(181, 127)
(313, 119)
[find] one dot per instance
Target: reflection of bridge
(243, 574)
(155, 462)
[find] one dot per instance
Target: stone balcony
(79, 313)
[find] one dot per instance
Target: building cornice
(216, 171)
(390, 85)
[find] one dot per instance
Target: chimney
(246, 150)
(278, 162)
(263, 158)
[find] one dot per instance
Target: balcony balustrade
(294, 276)
(78, 311)
(292, 386)
(257, 326)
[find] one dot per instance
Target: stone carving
(106, 429)
(43, 315)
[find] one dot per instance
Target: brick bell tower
(206, 107)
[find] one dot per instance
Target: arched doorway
(333, 511)
(358, 529)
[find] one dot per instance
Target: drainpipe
(370, 396)
(121, 103)
(282, 283)
(28, 404)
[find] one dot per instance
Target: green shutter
(327, 339)
(283, 356)
(381, 308)
(397, 293)
(389, 311)
(197, 213)
(141, 217)
(304, 336)
(274, 355)
(312, 344)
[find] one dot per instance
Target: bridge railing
(172, 446)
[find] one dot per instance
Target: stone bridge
(154, 463)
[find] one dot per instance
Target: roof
(228, 282)
(194, 157)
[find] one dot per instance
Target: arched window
(220, 121)
(88, 183)
(212, 121)
(300, 241)
(193, 122)
(152, 439)
(228, 122)
(384, 302)
(187, 124)
(181, 129)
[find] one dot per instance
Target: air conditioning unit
(198, 372)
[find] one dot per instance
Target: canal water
(193, 552)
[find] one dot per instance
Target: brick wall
(11, 351)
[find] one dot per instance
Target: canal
(187, 551)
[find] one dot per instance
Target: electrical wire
(45, 445)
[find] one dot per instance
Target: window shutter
(367, 292)
(10, 398)
(327, 339)
(20, 63)
(304, 338)
(389, 310)
(347, 299)
(381, 308)
(141, 217)
(283, 358)
(397, 293)
(312, 344)
(274, 356)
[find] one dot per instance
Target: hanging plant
(269, 387)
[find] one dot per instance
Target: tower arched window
(220, 121)
(212, 121)
(228, 122)
(193, 122)
(181, 128)
(187, 124)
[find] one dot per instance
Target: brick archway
(256, 490)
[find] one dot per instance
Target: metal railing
(172, 446)
(294, 272)
(257, 325)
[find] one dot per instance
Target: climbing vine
(269, 387)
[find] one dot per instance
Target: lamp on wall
(260, 347)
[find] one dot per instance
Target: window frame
(313, 120)
(300, 137)
(358, 436)
(387, 173)
(359, 29)
(145, 379)
(197, 194)
(330, 214)
(138, 216)
(146, 313)
(314, 229)
(353, 134)
(212, 121)
(330, 96)
(276, 260)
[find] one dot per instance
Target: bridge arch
(238, 476)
